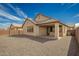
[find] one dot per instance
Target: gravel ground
(17, 46)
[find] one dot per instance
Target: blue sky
(67, 13)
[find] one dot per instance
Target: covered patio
(52, 29)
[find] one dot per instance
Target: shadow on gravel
(73, 47)
(35, 38)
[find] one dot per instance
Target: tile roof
(40, 22)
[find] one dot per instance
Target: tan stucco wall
(41, 18)
(65, 31)
(35, 28)
(42, 31)
(14, 32)
(34, 33)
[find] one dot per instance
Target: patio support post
(36, 31)
(57, 30)
(63, 30)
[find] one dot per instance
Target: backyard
(32, 46)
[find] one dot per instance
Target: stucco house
(15, 29)
(44, 26)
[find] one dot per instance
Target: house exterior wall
(13, 31)
(64, 30)
(35, 28)
(41, 18)
(42, 31)
(25, 31)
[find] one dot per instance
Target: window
(30, 29)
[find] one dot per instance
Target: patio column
(57, 30)
(36, 30)
(63, 30)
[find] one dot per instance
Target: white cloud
(4, 25)
(1, 6)
(21, 13)
(11, 6)
(9, 16)
(72, 5)
(18, 10)
(70, 23)
(76, 25)
(69, 6)
(77, 15)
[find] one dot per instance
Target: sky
(67, 13)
